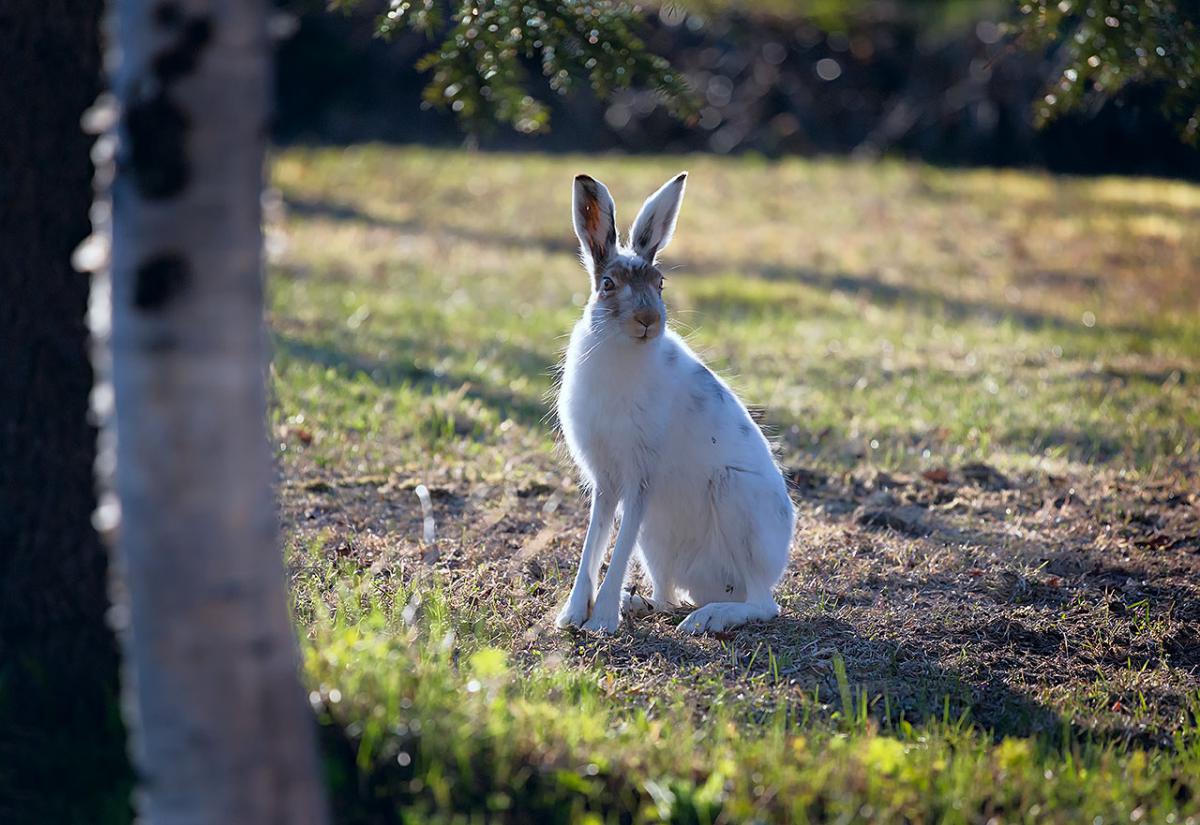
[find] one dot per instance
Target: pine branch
(1107, 45)
(479, 69)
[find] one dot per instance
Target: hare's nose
(646, 317)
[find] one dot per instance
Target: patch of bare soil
(1033, 601)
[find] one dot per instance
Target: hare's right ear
(655, 223)
(595, 222)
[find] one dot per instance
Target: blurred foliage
(833, 15)
(479, 68)
(1108, 45)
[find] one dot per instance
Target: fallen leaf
(938, 475)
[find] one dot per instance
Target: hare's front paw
(603, 622)
(606, 613)
(575, 611)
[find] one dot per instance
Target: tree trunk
(62, 746)
(222, 731)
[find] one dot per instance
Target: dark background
(912, 80)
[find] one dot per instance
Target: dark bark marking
(181, 58)
(155, 127)
(168, 15)
(158, 280)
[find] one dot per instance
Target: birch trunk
(221, 730)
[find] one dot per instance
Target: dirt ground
(1037, 602)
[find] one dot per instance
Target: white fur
(665, 443)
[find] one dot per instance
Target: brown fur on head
(629, 291)
(595, 220)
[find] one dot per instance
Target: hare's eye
(662, 282)
(607, 285)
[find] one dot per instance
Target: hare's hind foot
(718, 616)
(637, 605)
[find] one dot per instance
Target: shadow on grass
(397, 371)
(1038, 606)
(313, 209)
(892, 296)
(795, 655)
(1077, 445)
(338, 211)
(1156, 621)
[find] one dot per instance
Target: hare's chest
(618, 459)
(613, 429)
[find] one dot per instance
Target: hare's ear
(595, 222)
(655, 224)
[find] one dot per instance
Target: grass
(984, 389)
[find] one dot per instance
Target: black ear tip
(682, 176)
(581, 178)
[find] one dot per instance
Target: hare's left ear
(595, 218)
(655, 223)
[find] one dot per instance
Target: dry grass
(1045, 601)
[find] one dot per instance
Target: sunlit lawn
(986, 386)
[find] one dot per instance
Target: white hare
(664, 442)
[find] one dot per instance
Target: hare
(662, 441)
